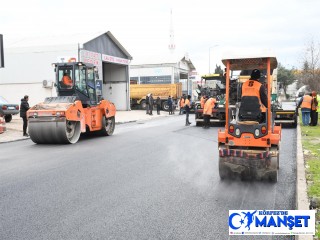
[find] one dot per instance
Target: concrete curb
(302, 201)
(15, 140)
(117, 123)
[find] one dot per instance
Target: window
(80, 79)
(91, 84)
(65, 76)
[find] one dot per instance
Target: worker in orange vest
(187, 107)
(253, 88)
(66, 80)
(202, 100)
(207, 111)
(181, 104)
(305, 104)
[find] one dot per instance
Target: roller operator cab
(75, 110)
(249, 144)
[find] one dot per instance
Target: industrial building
(28, 67)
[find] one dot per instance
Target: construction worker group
(310, 108)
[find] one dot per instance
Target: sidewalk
(14, 128)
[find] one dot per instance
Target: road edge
(302, 201)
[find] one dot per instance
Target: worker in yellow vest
(305, 104)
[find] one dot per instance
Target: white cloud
(143, 26)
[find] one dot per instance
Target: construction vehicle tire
(165, 106)
(223, 171)
(143, 105)
(275, 148)
(8, 118)
(59, 132)
(108, 125)
(273, 176)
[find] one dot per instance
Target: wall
(116, 85)
(14, 92)
(33, 64)
(26, 68)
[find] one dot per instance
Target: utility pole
(1, 52)
(171, 46)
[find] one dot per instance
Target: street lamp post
(210, 55)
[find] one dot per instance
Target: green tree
(285, 77)
(218, 69)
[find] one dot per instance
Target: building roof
(162, 59)
(42, 42)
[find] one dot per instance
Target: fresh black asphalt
(151, 180)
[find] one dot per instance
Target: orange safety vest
(251, 88)
(306, 102)
(182, 102)
(67, 80)
(187, 102)
(202, 102)
(208, 106)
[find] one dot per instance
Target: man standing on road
(313, 112)
(147, 104)
(158, 103)
(305, 104)
(150, 104)
(170, 104)
(181, 104)
(207, 111)
(187, 106)
(24, 107)
(202, 100)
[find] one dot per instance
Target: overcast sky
(282, 27)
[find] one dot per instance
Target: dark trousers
(170, 110)
(25, 125)
(147, 109)
(158, 109)
(187, 118)
(206, 120)
(150, 109)
(314, 118)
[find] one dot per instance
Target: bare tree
(310, 74)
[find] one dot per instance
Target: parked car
(8, 109)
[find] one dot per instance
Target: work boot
(26, 135)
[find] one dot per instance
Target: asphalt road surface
(150, 180)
